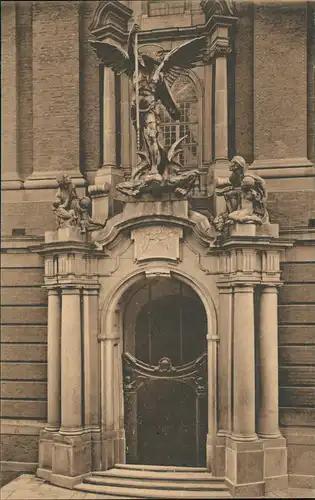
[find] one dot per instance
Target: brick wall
(297, 358)
(24, 334)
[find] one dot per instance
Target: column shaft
(125, 126)
(244, 365)
(207, 140)
(91, 358)
(109, 118)
(71, 362)
(225, 359)
(268, 419)
(221, 109)
(54, 360)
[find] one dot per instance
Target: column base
(275, 463)
(60, 480)
(252, 468)
(64, 455)
(113, 448)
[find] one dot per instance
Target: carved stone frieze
(157, 242)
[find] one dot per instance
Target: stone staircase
(150, 481)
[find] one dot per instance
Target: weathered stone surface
(289, 294)
(22, 276)
(297, 313)
(20, 448)
(24, 315)
(21, 390)
(24, 352)
(24, 371)
(24, 295)
(23, 333)
(24, 409)
(296, 334)
(297, 355)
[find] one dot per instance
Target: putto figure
(69, 209)
(151, 78)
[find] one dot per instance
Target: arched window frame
(168, 137)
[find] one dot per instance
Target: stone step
(161, 468)
(129, 492)
(155, 475)
(160, 484)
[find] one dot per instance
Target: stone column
(107, 403)
(212, 341)
(108, 175)
(91, 358)
(91, 372)
(109, 118)
(221, 109)
(9, 98)
(125, 126)
(268, 418)
(54, 360)
(208, 117)
(225, 359)
(244, 364)
(71, 362)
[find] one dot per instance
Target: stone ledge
(21, 427)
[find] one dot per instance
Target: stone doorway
(165, 375)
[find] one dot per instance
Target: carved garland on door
(136, 373)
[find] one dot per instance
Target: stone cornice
(158, 213)
(221, 7)
(111, 22)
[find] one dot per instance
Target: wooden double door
(165, 384)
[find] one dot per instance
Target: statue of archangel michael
(152, 77)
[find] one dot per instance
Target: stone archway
(165, 374)
(112, 349)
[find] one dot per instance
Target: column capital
(71, 289)
(225, 288)
(244, 287)
(52, 290)
(270, 287)
(93, 290)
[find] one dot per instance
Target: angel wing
(114, 57)
(164, 93)
(183, 57)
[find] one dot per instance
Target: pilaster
(56, 106)
(220, 17)
(10, 176)
(70, 445)
(110, 23)
(282, 153)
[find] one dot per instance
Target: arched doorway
(165, 375)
